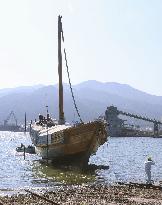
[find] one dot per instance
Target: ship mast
(61, 111)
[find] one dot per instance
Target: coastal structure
(117, 126)
(10, 126)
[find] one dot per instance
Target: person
(148, 165)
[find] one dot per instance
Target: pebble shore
(89, 195)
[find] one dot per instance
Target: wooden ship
(62, 142)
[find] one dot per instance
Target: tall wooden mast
(61, 111)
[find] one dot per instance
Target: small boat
(29, 149)
(61, 142)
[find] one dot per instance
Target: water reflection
(61, 175)
(125, 156)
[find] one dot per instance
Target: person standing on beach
(148, 165)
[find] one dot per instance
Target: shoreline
(89, 195)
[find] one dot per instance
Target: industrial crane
(12, 114)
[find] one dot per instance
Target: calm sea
(125, 156)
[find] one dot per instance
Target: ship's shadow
(65, 174)
(88, 168)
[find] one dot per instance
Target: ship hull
(69, 159)
(72, 143)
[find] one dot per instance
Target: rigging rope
(71, 89)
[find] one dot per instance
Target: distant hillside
(92, 99)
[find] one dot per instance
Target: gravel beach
(89, 195)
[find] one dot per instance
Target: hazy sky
(106, 40)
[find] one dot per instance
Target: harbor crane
(12, 114)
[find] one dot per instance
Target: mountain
(92, 98)
(21, 89)
(122, 90)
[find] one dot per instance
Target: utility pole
(25, 123)
(47, 132)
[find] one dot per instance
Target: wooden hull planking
(82, 139)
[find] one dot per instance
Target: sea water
(124, 156)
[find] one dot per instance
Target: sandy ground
(90, 195)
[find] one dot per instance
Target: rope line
(71, 89)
